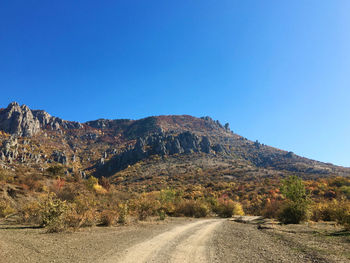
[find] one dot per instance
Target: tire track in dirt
(181, 244)
(195, 248)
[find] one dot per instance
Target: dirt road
(187, 243)
(176, 240)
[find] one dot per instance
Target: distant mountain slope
(141, 149)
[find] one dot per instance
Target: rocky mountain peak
(18, 120)
(22, 121)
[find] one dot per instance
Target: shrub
(55, 171)
(83, 212)
(104, 182)
(192, 208)
(324, 211)
(5, 208)
(108, 217)
(146, 206)
(345, 190)
(91, 182)
(293, 189)
(296, 207)
(271, 209)
(31, 213)
(161, 214)
(69, 192)
(58, 185)
(99, 189)
(33, 184)
(227, 208)
(52, 213)
(3, 175)
(123, 211)
(293, 213)
(167, 199)
(342, 214)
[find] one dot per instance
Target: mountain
(155, 151)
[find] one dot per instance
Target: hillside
(64, 174)
(154, 149)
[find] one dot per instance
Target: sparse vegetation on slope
(109, 172)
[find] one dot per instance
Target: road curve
(185, 243)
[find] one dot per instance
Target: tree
(293, 189)
(296, 207)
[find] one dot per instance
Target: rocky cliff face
(161, 144)
(21, 121)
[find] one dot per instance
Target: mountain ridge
(105, 147)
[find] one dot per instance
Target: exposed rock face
(59, 157)
(48, 121)
(108, 124)
(21, 121)
(9, 149)
(18, 120)
(160, 144)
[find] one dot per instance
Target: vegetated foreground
(178, 240)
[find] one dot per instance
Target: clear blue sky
(277, 71)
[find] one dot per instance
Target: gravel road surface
(175, 240)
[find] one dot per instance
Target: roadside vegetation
(59, 202)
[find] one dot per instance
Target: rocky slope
(33, 139)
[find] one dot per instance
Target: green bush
(293, 189)
(293, 213)
(161, 214)
(123, 211)
(296, 208)
(167, 199)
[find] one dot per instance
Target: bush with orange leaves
(227, 208)
(271, 208)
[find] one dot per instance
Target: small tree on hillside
(293, 189)
(296, 207)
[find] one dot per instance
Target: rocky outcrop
(22, 121)
(9, 149)
(12, 151)
(54, 123)
(109, 124)
(19, 120)
(160, 144)
(59, 157)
